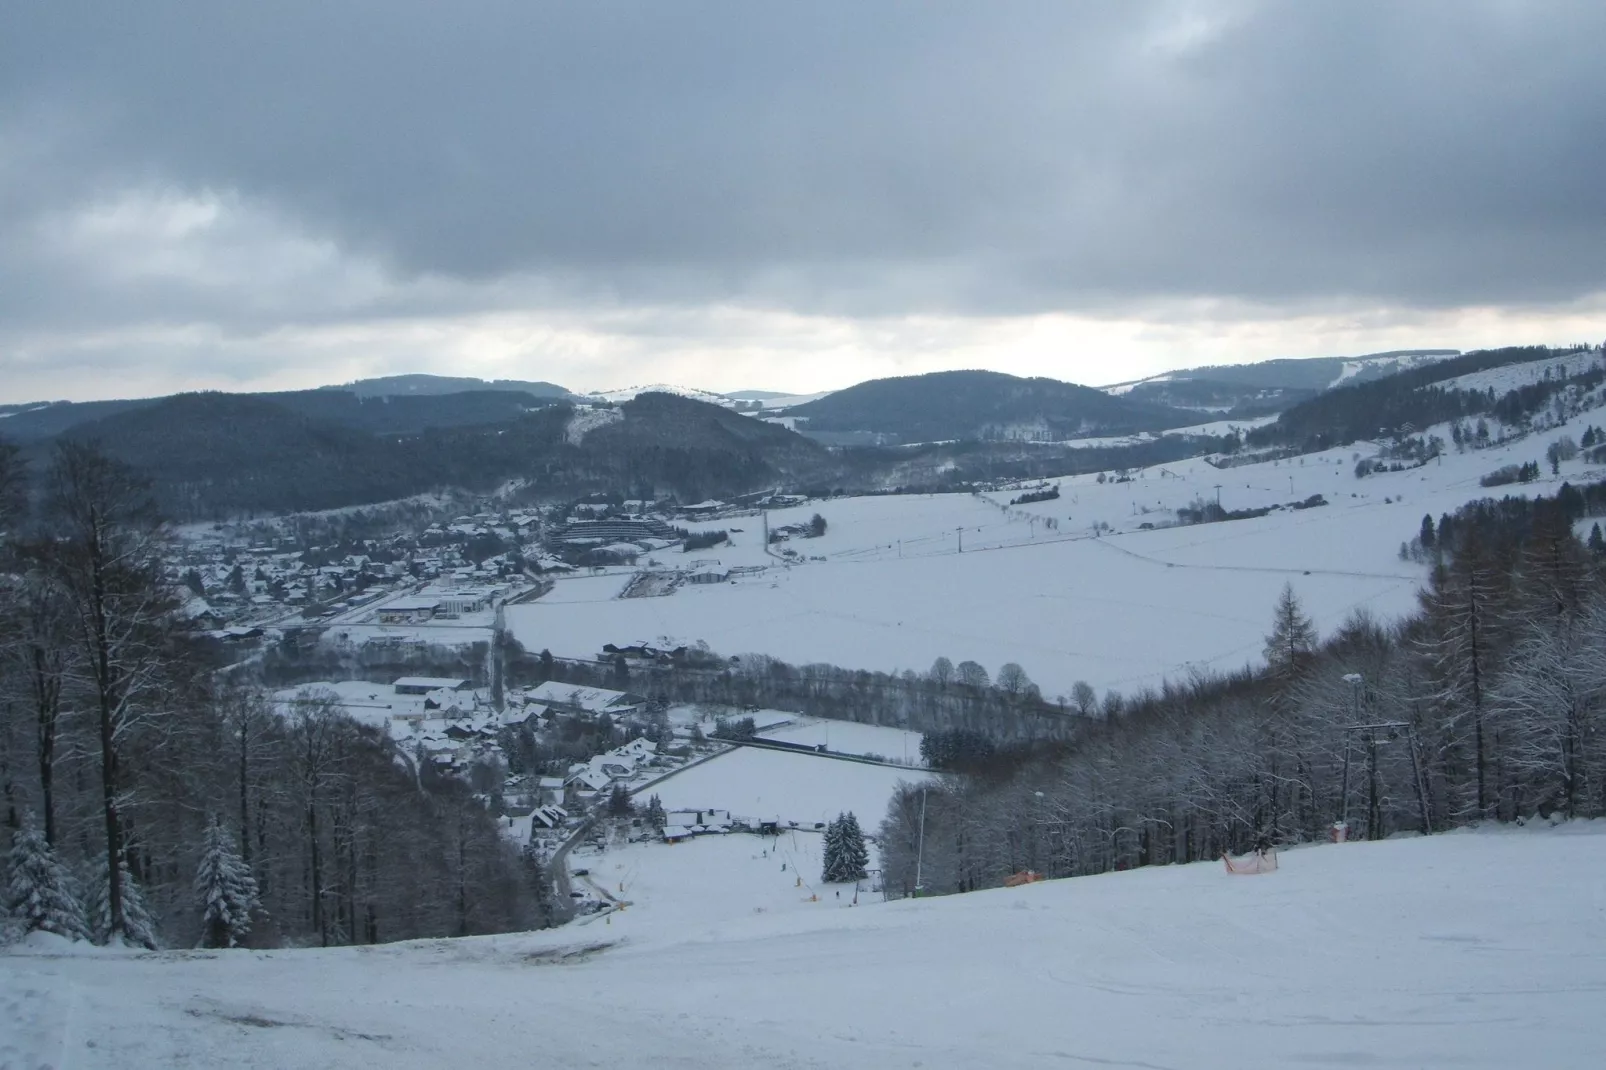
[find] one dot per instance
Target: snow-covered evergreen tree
(855, 856)
(832, 863)
(38, 889)
(139, 928)
(845, 853)
(225, 890)
(655, 813)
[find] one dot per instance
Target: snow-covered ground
(1121, 611)
(1477, 950)
(845, 737)
(706, 886)
(1513, 376)
(769, 785)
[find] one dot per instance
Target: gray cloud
(858, 159)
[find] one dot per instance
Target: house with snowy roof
(587, 701)
(548, 817)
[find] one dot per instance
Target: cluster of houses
(618, 766)
(253, 585)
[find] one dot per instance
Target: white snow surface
(1512, 376)
(768, 785)
(1123, 611)
(1480, 950)
(707, 886)
(846, 737)
(629, 393)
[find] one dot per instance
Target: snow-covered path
(1470, 950)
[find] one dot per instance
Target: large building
(588, 701)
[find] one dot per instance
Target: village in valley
(548, 656)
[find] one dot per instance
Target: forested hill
(393, 386)
(217, 455)
(982, 405)
(1415, 397)
(400, 413)
(1269, 386)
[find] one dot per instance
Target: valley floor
(1477, 949)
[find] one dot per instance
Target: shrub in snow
(225, 890)
(139, 928)
(38, 889)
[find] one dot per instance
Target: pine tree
(1293, 636)
(655, 814)
(139, 928)
(832, 862)
(855, 856)
(225, 891)
(38, 889)
(845, 853)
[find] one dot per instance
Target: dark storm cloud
(868, 158)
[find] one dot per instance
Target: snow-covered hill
(1321, 373)
(629, 393)
(1515, 376)
(1474, 950)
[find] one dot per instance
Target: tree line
(1487, 704)
(1009, 708)
(161, 805)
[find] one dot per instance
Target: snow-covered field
(1121, 611)
(845, 737)
(1477, 950)
(769, 785)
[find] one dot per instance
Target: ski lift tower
(1373, 735)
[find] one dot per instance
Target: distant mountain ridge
(1269, 386)
(981, 406)
(419, 384)
(216, 455)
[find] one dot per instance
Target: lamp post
(920, 849)
(1037, 827)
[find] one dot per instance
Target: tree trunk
(315, 873)
(107, 701)
(47, 703)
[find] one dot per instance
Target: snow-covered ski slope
(1120, 611)
(1477, 950)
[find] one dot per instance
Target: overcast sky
(785, 196)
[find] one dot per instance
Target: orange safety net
(1248, 865)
